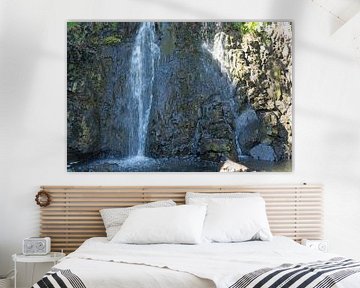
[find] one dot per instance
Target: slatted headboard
(73, 215)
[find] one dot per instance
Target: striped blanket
(57, 278)
(320, 274)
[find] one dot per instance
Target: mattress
(99, 263)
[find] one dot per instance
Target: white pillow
(113, 218)
(180, 224)
(203, 198)
(236, 220)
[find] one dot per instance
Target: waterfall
(219, 54)
(144, 57)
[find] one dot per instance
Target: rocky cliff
(260, 63)
(219, 90)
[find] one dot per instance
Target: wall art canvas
(179, 96)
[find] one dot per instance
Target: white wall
(33, 109)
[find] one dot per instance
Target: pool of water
(145, 164)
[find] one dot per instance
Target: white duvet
(100, 263)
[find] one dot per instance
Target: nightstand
(53, 257)
(320, 245)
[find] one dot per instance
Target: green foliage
(72, 24)
(247, 27)
(237, 26)
(112, 40)
(82, 49)
(250, 27)
(84, 39)
(81, 42)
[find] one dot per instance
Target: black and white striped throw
(58, 278)
(320, 274)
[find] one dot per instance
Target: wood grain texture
(73, 216)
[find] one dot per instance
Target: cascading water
(218, 54)
(144, 57)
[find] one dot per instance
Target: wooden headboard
(73, 215)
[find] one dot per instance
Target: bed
(99, 263)
(294, 211)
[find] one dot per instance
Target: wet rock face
(191, 113)
(260, 65)
(263, 152)
(83, 135)
(83, 117)
(248, 129)
(95, 82)
(264, 78)
(112, 110)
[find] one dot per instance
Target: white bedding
(100, 263)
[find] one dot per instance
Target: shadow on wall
(22, 35)
(325, 51)
(21, 41)
(184, 8)
(340, 138)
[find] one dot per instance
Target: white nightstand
(320, 245)
(53, 257)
